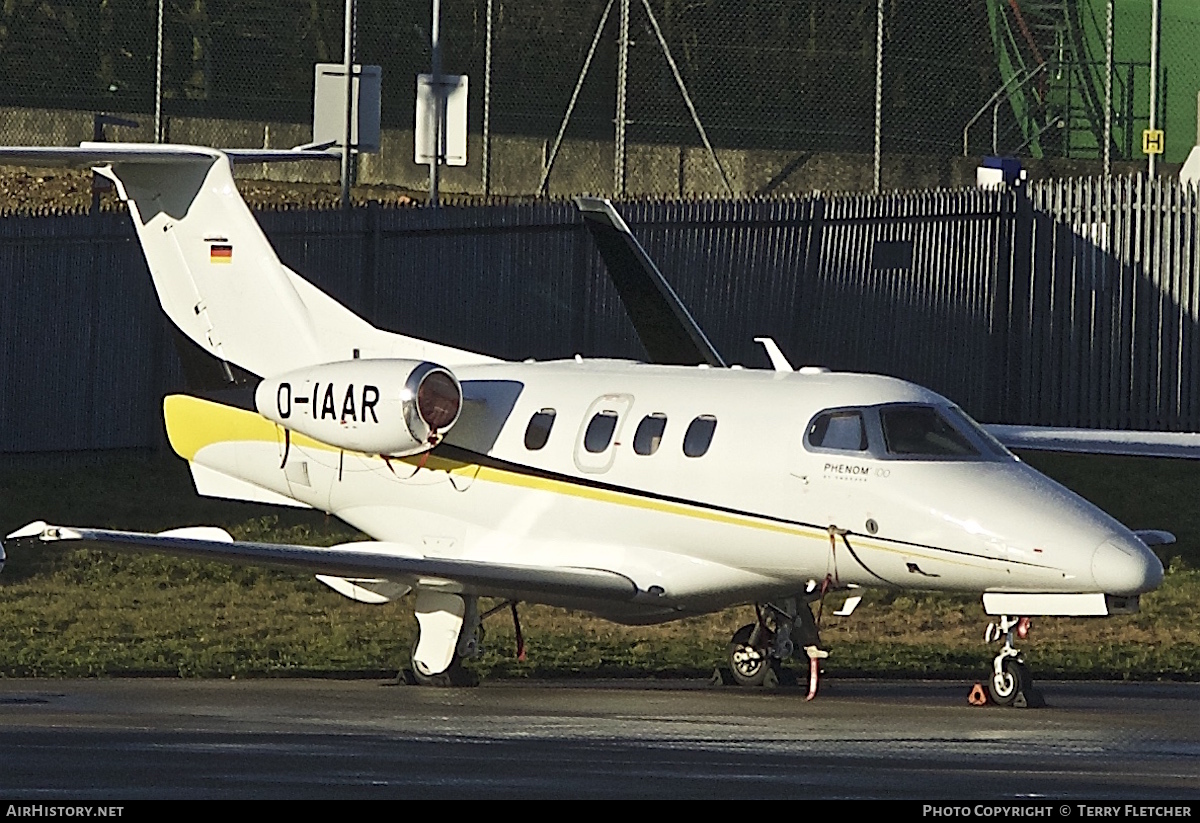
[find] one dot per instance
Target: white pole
(438, 104)
(878, 89)
(1108, 87)
(347, 131)
(158, 131)
(487, 106)
(1154, 15)
(622, 68)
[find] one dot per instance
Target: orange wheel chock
(978, 696)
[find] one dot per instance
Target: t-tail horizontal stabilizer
(216, 274)
(666, 328)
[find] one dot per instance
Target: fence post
(1018, 269)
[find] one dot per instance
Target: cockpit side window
(921, 431)
(839, 431)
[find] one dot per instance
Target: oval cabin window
(600, 431)
(648, 436)
(699, 435)
(538, 430)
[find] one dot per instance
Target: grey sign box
(329, 106)
(454, 87)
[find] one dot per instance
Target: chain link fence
(633, 97)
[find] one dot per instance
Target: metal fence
(629, 96)
(1070, 303)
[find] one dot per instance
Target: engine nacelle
(390, 407)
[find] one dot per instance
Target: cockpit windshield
(922, 431)
(902, 431)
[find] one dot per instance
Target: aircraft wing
(1098, 441)
(352, 560)
(670, 334)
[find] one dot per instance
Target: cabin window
(538, 430)
(839, 431)
(699, 435)
(648, 436)
(600, 431)
(921, 431)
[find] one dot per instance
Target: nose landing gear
(1010, 683)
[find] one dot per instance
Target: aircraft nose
(1125, 566)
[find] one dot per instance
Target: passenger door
(600, 432)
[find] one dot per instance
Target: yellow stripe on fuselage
(193, 423)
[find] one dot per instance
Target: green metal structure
(1051, 56)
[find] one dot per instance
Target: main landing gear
(1009, 683)
(758, 649)
(450, 632)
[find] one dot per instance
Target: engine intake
(389, 407)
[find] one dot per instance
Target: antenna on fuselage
(779, 361)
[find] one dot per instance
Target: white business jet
(639, 492)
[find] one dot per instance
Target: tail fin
(217, 277)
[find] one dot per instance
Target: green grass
(71, 612)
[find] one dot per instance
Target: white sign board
(454, 87)
(329, 106)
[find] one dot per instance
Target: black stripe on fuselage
(457, 453)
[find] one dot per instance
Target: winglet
(1155, 537)
(668, 331)
(34, 529)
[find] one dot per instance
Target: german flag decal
(220, 253)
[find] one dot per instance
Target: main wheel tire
(1013, 679)
(750, 665)
(454, 675)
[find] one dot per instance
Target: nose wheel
(1009, 683)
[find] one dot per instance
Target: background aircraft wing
(666, 328)
(99, 154)
(352, 560)
(1098, 441)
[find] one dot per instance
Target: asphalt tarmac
(97, 740)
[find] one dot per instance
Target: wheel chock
(1029, 698)
(720, 677)
(978, 696)
(771, 680)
